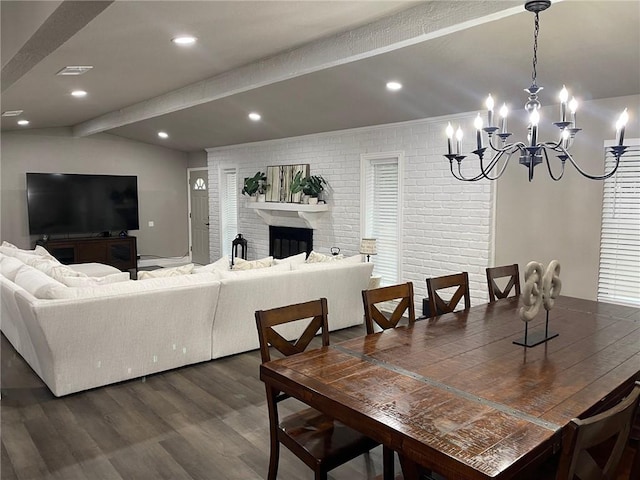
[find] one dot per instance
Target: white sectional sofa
(111, 329)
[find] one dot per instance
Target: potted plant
(255, 185)
(313, 186)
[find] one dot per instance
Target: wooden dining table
(455, 395)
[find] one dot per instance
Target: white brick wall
(447, 223)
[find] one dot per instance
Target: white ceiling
(306, 66)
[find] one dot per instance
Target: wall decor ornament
(540, 289)
(280, 178)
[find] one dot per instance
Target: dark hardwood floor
(205, 421)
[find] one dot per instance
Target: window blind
(381, 210)
(619, 275)
(228, 209)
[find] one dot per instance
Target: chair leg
(387, 463)
(320, 475)
(635, 466)
(274, 458)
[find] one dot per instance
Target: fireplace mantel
(289, 214)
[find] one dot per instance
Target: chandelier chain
(536, 29)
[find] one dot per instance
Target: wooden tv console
(119, 252)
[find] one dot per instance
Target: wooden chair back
(583, 436)
(316, 439)
(372, 298)
(495, 292)
(439, 306)
(266, 320)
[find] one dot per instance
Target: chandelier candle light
(532, 152)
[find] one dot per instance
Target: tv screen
(73, 203)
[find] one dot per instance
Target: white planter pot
(252, 198)
(313, 200)
(262, 197)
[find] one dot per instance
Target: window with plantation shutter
(381, 212)
(228, 209)
(619, 276)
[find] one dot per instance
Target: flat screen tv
(62, 203)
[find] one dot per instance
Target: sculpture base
(535, 338)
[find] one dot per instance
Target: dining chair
(493, 273)
(593, 448)
(439, 306)
(372, 299)
(321, 442)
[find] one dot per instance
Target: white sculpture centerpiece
(539, 289)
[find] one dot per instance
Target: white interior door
(199, 215)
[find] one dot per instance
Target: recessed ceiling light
(394, 86)
(255, 116)
(184, 40)
(12, 113)
(163, 134)
(75, 70)
(23, 122)
(79, 93)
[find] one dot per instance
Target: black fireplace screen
(286, 241)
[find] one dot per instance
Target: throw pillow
(220, 264)
(166, 272)
(37, 283)
(315, 257)
(299, 258)
(11, 250)
(95, 281)
(43, 252)
(254, 272)
(9, 266)
(241, 264)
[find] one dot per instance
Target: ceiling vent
(75, 70)
(12, 113)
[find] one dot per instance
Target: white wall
(546, 220)
(447, 224)
(162, 189)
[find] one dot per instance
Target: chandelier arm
(595, 177)
(482, 175)
(553, 177)
(461, 177)
(556, 146)
(516, 146)
(496, 159)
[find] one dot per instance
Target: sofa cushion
(343, 262)
(220, 264)
(242, 264)
(43, 252)
(9, 266)
(94, 269)
(52, 268)
(37, 283)
(299, 258)
(96, 281)
(133, 288)
(255, 272)
(315, 257)
(166, 272)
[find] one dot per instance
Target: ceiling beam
(426, 21)
(65, 21)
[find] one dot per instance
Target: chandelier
(532, 152)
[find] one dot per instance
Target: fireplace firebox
(287, 241)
